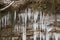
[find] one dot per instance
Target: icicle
(35, 16)
(2, 21)
(35, 25)
(25, 16)
(24, 35)
(35, 32)
(8, 18)
(42, 20)
(5, 21)
(25, 22)
(29, 13)
(40, 23)
(14, 15)
(23, 19)
(24, 26)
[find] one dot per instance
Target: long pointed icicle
(24, 34)
(34, 25)
(40, 23)
(24, 27)
(14, 15)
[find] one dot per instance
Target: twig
(7, 6)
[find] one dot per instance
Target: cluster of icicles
(34, 20)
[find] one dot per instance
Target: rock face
(14, 5)
(45, 4)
